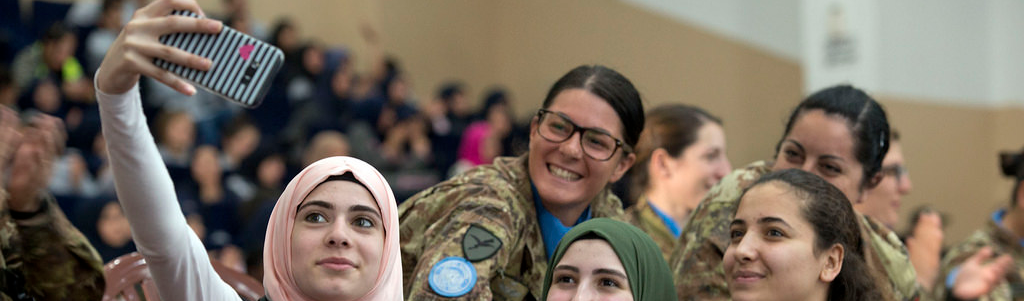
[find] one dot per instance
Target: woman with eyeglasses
(882, 203)
(490, 232)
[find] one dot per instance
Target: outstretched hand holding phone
(138, 44)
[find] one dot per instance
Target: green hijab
(649, 275)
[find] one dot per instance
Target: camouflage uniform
(697, 260)
(45, 258)
(1002, 242)
(497, 198)
(642, 216)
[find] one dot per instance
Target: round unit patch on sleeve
(479, 244)
(452, 277)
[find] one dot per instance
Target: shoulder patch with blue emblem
(452, 277)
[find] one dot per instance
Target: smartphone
(243, 66)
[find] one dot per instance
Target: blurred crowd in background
(230, 164)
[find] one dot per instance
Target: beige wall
(526, 45)
(951, 153)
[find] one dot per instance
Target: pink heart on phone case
(245, 50)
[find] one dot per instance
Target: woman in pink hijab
(333, 234)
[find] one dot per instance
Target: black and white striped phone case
(243, 66)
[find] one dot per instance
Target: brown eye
(774, 233)
(315, 217)
(362, 222)
(736, 235)
(610, 283)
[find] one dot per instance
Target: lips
(746, 277)
(336, 263)
(563, 174)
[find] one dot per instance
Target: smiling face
(771, 255)
(589, 270)
(700, 166)
(882, 202)
(563, 174)
(337, 242)
(822, 144)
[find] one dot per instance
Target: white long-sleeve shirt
(177, 259)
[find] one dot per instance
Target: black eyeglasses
(596, 143)
(897, 171)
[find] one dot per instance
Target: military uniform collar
(670, 224)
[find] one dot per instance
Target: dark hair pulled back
(866, 118)
(610, 86)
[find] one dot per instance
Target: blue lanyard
(551, 228)
(669, 222)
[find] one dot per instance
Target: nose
(723, 169)
(585, 293)
(338, 237)
(745, 250)
(572, 147)
(904, 184)
(809, 165)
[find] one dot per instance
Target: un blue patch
(452, 277)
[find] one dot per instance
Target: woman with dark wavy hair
(796, 237)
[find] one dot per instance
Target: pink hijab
(277, 269)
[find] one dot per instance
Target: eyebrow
(573, 122)
(317, 203)
(364, 208)
(798, 145)
(610, 272)
(567, 267)
(763, 220)
(773, 220)
(737, 222)
(801, 147)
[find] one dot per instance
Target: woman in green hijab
(608, 259)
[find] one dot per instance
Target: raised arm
(177, 259)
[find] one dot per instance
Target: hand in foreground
(138, 44)
(925, 248)
(10, 138)
(980, 274)
(33, 162)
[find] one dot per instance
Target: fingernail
(190, 90)
(207, 63)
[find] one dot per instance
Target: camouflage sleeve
(890, 253)
(697, 259)
(478, 231)
(57, 261)
(957, 255)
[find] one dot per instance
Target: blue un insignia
(452, 277)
